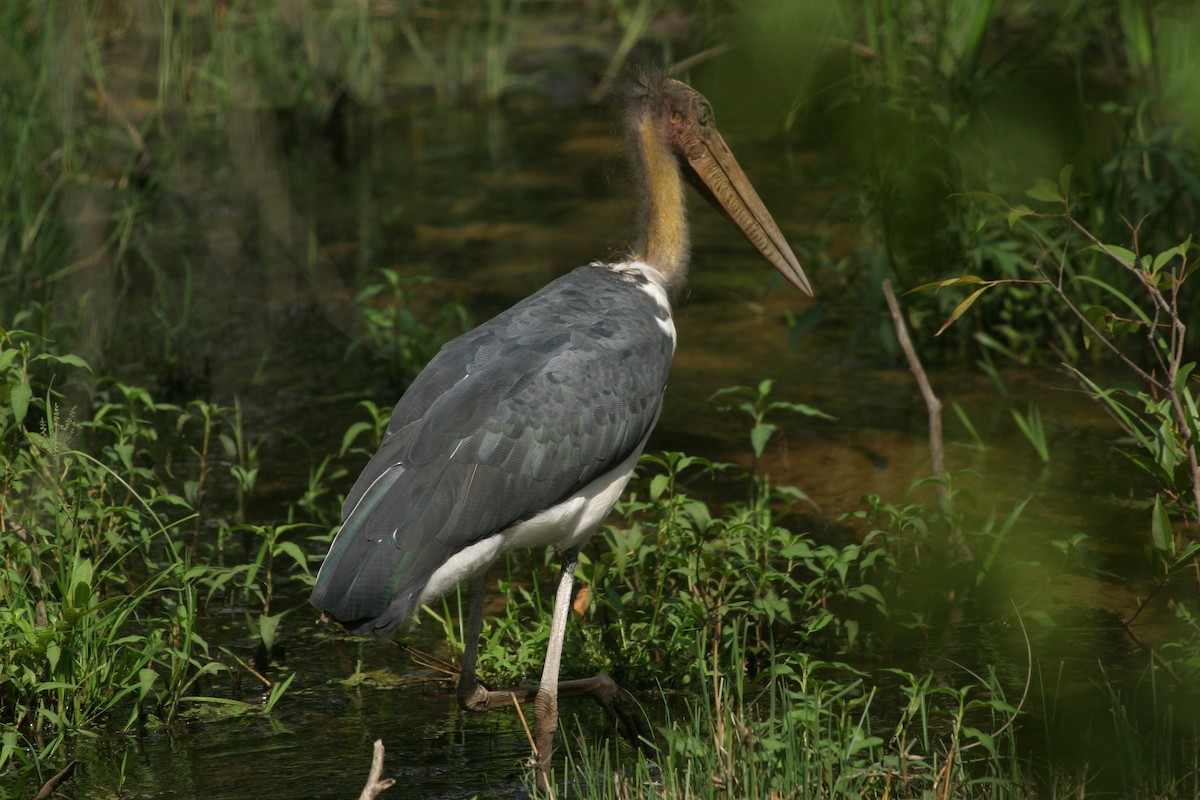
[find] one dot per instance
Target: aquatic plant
(402, 342)
(102, 601)
(807, 728)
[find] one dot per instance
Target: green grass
(103, 597)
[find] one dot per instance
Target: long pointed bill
(728, 188)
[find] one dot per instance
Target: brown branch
(375, 782)
(49, 786)
(932, 403)
(937, 449)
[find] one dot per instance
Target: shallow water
(495, 204)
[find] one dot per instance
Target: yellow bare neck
(665, 244)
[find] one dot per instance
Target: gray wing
(506, 421)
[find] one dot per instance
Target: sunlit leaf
(352, 433)
(293, 551)
(1181, 377)
(268, 624)
(1100, 318)
(984, 739)
(1044, 189)
(1122, 254)
(961, 280)
(962, 307)
(53, 654)
(1160, 529)
(146, 680)
(1163, 258)
(759, 435)
(19, 398)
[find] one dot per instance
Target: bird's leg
(546, 705)
(470, 693)
(472, 696)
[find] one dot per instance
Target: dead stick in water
(375, 782)
(49, 786)
(937, 450)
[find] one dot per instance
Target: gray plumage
(508, 420)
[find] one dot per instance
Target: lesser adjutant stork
(524, 431)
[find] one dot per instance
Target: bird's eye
(705, 115)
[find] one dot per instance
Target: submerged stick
(375, 782)
(49, 786)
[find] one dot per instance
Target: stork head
(667, 115)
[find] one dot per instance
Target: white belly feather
(568, 524)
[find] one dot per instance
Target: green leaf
(1122, 254)
(125, 454)
(352, 433)
(1182, 375)
(268, 624)
(937, 285)
(1017, 212)
(759, 435)
(1163, 258)
(1100, 317)
(984, 739)
(986, 197)
(293, 550)
(68, 359)
(1064, 180)
(801, 408)
(146, 679)
(962, 307)
(19, 398)
(658, 485)
(53, 654)
(1044, 189)
(804, 323)
(1160, 529)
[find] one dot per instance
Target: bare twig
(544, 783)
(937, 450)
(432, 662)
(375, 782)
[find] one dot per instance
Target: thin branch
(932, 403)
(937, 450)
(1096, 334)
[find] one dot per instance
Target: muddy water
(494, 205)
